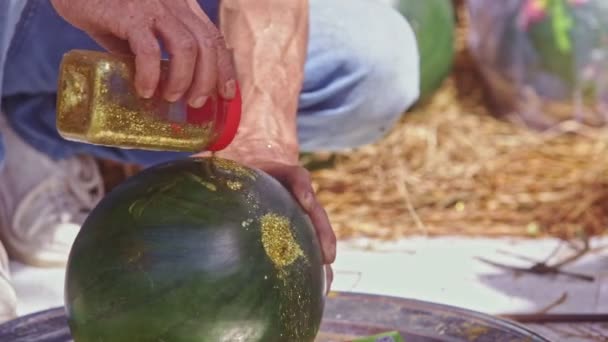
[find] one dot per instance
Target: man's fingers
(298, 180)
(329, 272)
(205, 75)
(183, 49)
(146, 49)
(111, 43)
(301, 185)
(226, 71)
(326, 234)
(200, 64)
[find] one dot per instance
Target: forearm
(269, 38)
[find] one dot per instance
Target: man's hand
(297, 180)
(200, 63)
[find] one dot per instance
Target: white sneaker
(43, 202)
(8, 296)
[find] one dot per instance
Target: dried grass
(451, 168)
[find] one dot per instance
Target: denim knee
(361, 76)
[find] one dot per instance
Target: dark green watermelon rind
(123, 279)
(299, 324)
(433, 22)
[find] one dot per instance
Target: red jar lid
(226, 115)
(228, 121)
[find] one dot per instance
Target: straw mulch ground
(451, 168)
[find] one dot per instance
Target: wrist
(248, 149)
(272, 136)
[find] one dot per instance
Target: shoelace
(60, 199)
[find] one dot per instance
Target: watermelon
(199, 249)
(433, 22)
(544, 61)
(565, 40)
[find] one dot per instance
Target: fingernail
(330, 253)
(173, 97)
(147, 93)
(230, 89)
(198, 102)
(307, 199)
(326, 274)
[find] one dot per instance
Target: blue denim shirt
(10, 12)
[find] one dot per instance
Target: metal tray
(347, 316)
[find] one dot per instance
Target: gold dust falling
(233, 167)
(278, 241)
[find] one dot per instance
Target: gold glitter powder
(252, 202)
(234, 185)
(278, 241)
(295, 314)
(246, 223)
(291, 267)
(233, 167)
(97, 104)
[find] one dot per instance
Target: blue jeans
(361, 74)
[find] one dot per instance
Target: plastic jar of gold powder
(97, 104)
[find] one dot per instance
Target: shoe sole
(16, 254)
